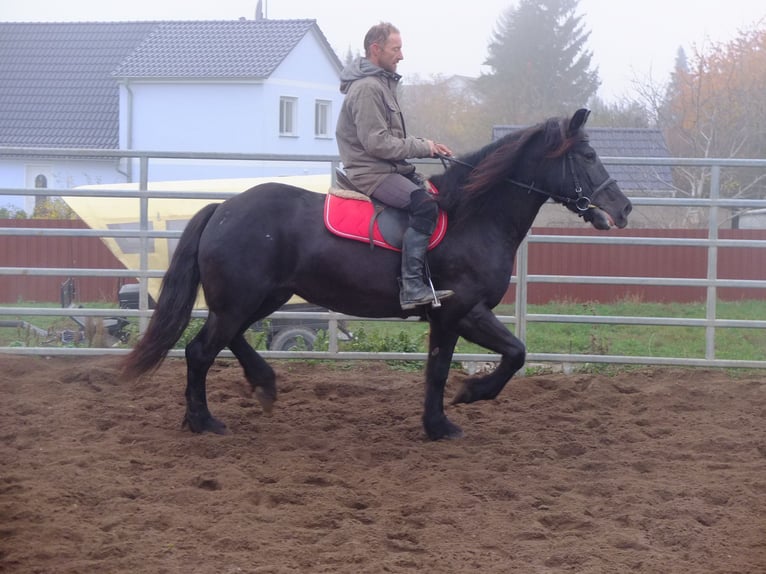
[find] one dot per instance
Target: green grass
(585, 338)
(655, 341)
(630, 340)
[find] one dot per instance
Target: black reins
(582, 203)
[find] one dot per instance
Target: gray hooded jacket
(372, 139)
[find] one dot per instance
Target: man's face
(390, 53)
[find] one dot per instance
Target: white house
(243, 86)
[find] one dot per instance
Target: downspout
(128, 173)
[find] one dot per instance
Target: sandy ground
(660, 471)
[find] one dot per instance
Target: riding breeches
(398, 191)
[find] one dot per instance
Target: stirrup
(441, 294)
(437, 295)
(432, 298)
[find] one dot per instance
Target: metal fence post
(712, 262)
(143, 282)
(520, 303)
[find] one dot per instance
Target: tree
(446, 110)
(540, 66)
(622, 114)
(716, 107)
(52, 208)
(350, 56)
(12, 212)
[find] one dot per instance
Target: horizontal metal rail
(388, 356)
(668, 281)
(569, 279)
(79, 272)
(532, 238)
(330, 316)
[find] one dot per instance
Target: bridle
(581, 203)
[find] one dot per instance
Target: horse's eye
(590, 155)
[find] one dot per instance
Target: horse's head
(553, 159)
(586, 187)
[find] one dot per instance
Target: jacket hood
(361, 68)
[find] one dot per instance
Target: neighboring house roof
(626, 142)
(217, 49)
(59, 81)
(56, 88)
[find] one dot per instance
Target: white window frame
(288, 116)
(322, 115)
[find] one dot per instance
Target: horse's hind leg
(258, 372)
(200, 355)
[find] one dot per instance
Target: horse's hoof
(215, 426)
(455, 433)
(445, 429)
(204, 424)
(266, 400)
(464, 395)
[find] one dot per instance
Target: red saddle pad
(350, 218)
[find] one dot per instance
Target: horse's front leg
(481, 326)
(441, 346)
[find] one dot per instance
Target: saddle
(351, 214)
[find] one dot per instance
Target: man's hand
(439, 149)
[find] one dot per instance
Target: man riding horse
(374, 147)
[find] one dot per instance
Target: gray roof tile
(55, 84)
(215, 49)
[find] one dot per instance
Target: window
(322, 110)
(288, 110)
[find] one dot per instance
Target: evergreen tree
(350, 56)
(539, 64)
(669, 113)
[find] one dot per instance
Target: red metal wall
(545, 259)
(620, 260)
(40, 251)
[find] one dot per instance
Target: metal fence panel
(712, 271)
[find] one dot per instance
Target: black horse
(254, 251)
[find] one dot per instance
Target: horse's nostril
(628, 209)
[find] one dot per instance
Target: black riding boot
(414, 291)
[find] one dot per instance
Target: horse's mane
(469, 179)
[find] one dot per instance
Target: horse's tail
(175, 303)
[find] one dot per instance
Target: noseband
(582, 203)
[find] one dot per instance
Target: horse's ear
(578, 120)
